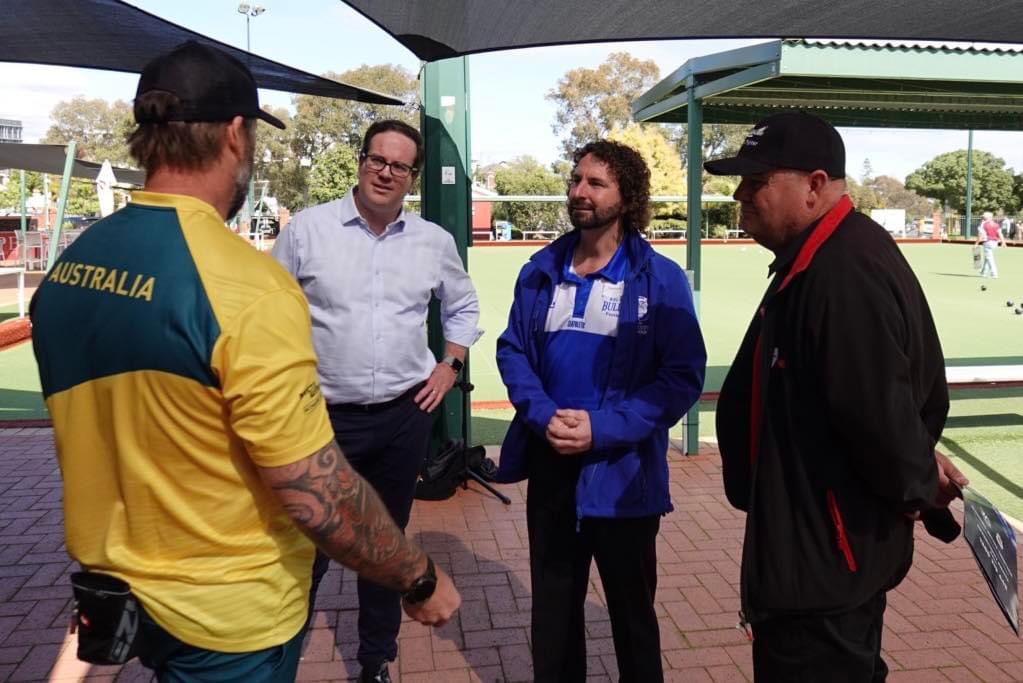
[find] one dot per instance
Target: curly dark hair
(632, 175)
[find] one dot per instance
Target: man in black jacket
(828, 418)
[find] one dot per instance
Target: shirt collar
(176, 201)
(614, 271)
(349, 214)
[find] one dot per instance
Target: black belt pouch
(106, 616)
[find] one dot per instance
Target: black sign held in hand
(993, 543)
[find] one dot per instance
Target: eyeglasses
(378, 163)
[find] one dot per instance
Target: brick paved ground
(941, 623)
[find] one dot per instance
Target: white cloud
(31, 91)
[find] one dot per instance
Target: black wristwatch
(453, 363)
(423, 587)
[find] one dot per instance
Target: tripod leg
(485, 484)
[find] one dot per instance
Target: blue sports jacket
(657, 375)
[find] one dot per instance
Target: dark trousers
(559, 562)
(839, 648)
(387, 448)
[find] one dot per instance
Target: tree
(277, 162)
(10, 196)
(333, 173)
(867, 174)
(944, 178)
(863, 197)
(666, 177)
(892, 194)
(719, 140)
(592, 102)
(525, 175)
(320, 122)
(99, 128)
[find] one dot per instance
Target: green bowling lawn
(985, 430)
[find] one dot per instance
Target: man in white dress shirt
(369, 269)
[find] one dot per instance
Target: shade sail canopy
(850, 83)
(437, 29)
(50, 159)
(112, 35)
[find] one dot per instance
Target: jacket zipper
(840, 537)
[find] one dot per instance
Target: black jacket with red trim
(828, 419)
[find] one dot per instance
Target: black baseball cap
(210, 84)
(794, 140)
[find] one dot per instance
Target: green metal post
(447, 193)
(694, 221)
(65, 185)
(969, 185)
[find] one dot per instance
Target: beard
(242, 175)
(594, 217)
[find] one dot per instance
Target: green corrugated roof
(850, 83)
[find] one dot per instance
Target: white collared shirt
(369, 296)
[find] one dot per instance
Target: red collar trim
(820, 235)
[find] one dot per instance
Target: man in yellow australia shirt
(198, 461)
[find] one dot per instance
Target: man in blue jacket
(603, 353)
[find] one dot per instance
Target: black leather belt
(375, 407)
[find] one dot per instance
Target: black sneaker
(375, 674)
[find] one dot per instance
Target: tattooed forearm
(343, 515)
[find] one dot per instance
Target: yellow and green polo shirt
(174, 360)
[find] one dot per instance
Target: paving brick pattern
(941, 623)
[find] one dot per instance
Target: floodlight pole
(250, 11)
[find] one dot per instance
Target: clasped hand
(569, 432)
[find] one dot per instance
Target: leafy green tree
(719, 140)
(592, 102)
(82, 199)
(725, 215)
(1017, 192)
(666, 176)
(892, 194)
(526, 176)
(944, 178)
(10, 196)
(863, 197)
(277, 161)
(320, 122)
(99, 128)
(333, 173)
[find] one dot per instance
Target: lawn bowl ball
(1019, 311)
(1009, 304)
(983, 288)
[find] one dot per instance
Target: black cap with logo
(210, 84)
(791, 140)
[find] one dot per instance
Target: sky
(510, 115)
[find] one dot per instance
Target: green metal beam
(678, 80)
(922, 64)
(446, 189)
(694, 221)
(969, 185)
(65, 185)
